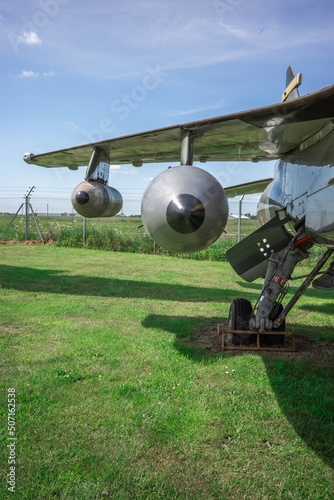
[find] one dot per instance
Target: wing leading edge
(266, 133)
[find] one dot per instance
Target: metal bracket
(98, 167)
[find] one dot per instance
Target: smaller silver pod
(93, 199)
(184, 209)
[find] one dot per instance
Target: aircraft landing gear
(240, 315)
(279, 271)
(268, 314)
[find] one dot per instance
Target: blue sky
(75, 72)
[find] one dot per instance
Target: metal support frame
(223, 331)
(187, 148)
(98, 167)
(93, 163)
(27, 206)
(303, 287)
(38, 229)
(3, 234)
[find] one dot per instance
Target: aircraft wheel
(240, 314)
(270, 340)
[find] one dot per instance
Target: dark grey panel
(249, 258)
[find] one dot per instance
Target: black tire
(240, 314)
(270, 340)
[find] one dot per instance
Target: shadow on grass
(327, 308)
(195, 337)
(303, 382)
(54, 281)
(304, 386)
(305, 393)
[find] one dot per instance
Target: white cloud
(29, 38)
(129, 172)
(28, 74)
(33, 74)
(117, 169)
(210, 107)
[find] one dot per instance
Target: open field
(121, 390)
(126, 225)
(121, 234)
(51, 226)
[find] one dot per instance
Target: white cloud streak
(28, 74)
(117, 169)
(197, 110)
(32, 74)
(29, 38)
(175, 35)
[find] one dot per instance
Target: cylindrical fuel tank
(93, 199)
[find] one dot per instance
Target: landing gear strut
(268, 314)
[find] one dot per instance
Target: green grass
(52, 226)
(121, 393)
(120, 234)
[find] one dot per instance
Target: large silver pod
(184, 209)
(93, 199)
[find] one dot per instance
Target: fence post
(26, 225)
(27, 202)
(84, 232)
(239, 220)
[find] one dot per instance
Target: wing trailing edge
(248, 188)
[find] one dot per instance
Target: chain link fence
(48, 203)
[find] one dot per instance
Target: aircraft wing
(266, 133)
(247, 188)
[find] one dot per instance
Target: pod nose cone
(82, 197)
(185, 213)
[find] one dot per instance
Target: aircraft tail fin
(292, 84)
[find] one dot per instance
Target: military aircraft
(185, 209)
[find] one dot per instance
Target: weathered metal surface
(184, 209)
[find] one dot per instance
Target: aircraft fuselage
(306, 194)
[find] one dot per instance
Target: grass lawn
(121, 391)
(53, 226)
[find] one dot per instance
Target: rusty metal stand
(223, 331)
